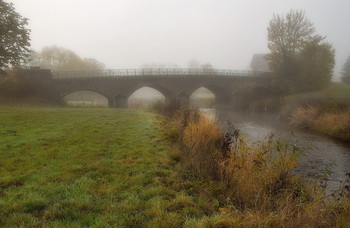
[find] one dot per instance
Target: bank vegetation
(326, 112)
(255, 184)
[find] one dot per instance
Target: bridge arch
(202, 98)
(120, 100)
(85, 97)
(67, 92)
(161, 89)
(144, 96)
(222, 94)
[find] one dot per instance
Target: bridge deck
(155, 72)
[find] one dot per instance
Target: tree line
(59, 58)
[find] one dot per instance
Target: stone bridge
(118, 85)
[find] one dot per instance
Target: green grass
(335, 90)
(63, 167)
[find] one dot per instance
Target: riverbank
(257, 185)
(326, 112)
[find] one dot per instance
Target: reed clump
(201, 139)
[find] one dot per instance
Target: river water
(324, 153)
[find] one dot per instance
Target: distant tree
(317, 60)
(93, 64)
(207, 66)
(297, 55)
(208, 69)
(193, 64)
(58, 58)
(14, 36)
(159, 65)
(346, 71)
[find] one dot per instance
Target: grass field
(335, 90)
(64, 167)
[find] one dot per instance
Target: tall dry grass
(304, 116)
(327, 116)
(333, 124)
(201, 140)
(257, 185)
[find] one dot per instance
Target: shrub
(201, 139)
(170, 107)
(203, 102)
(304, 117)
(28, 85)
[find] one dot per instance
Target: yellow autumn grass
(304, 116)
(332, 124)
(254, 183)
(201, 137)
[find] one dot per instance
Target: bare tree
(193, 64)
(159, 65)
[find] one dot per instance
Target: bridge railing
(154, 72)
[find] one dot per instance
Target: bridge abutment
(118, 102)
(110, 102)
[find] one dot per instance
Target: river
(324, 154)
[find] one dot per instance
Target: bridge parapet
(156, 72)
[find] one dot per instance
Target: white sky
(129, 33)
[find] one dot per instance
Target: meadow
(334, 90)
(63, 167)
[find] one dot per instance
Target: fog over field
(131, 33)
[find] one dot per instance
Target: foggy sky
(129, 33)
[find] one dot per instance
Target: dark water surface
(326, 154)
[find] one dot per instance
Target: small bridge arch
(145, 96)
(222, 94)
(166, 92)
(85, 97)
(202, 98)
